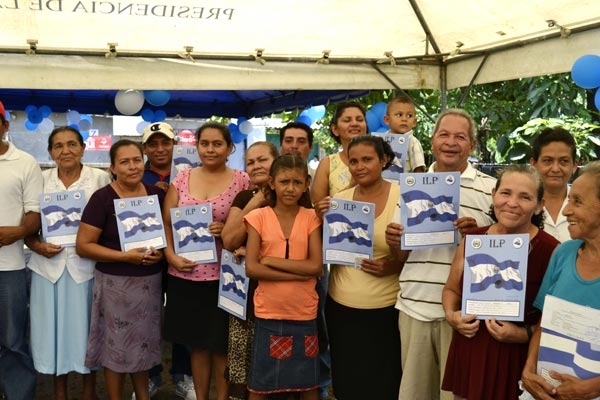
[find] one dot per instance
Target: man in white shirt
(425, 335)
(22, 183)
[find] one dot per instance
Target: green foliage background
(509, 114)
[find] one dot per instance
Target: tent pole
(475, 75)
(443, 87)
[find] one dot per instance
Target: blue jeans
(17, 375)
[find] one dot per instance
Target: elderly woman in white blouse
(62, 282)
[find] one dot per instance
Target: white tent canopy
(306, 45)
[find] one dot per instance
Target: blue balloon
(84, 125)
(35, 116)
(379, 109)
(597, 99)
(86, 117)
(147, 115)
(238, 137)
(159, 115)
(30, 126)
(85, 135)
(74, 126)
(241, 119)
(46, 111)
(318, 112)
(30, 108)
(305, 119)
(382, 129)
(157, 97)
(234, 129)
(6, 115)
(586, 71)
(372, 121)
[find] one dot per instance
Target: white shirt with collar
(559, 228)
(80, 269)
(21, 184)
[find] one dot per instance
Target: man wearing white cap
(22, 183)
(157, 142)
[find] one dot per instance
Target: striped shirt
(426, 271)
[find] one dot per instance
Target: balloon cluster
(375, 116)
(82, 122)
(130, 102)
(311, 115)
(586, 74)
(240, 130)
(38, 118)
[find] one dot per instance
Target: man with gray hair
(424, 333)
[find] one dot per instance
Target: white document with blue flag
(140, 222)
(429, 205)
(233, 286)
(184, 157)
(495, 276)
(399, 144)
(191, 236)
(348, 232)
(61, 213)
(570, 340)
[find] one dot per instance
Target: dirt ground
(45, 387)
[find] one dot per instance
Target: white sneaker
(152, 390)
(185, 388)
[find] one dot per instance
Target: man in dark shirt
(157, 142)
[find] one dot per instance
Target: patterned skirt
(125, 328)
(284, 356)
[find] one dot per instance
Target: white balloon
(46, 126)
(73, 117)
(246, 127)
(129, 102)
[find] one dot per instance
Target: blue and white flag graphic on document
(182, 163)
(233, 282)
(396, 165)
(188, 232)
(133, 222)
(486, 270)
(421, 206)
(568, 351)
(57, 216)
(341, 228)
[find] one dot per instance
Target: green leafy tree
(508, 114)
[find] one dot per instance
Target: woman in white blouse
(62, 282)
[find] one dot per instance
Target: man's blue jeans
(17, 375)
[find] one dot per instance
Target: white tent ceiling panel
(90, 72)
(349, 28)
(539, 58)
(481, 24)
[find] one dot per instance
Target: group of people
(390, 328)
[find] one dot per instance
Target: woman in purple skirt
(125, 328)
